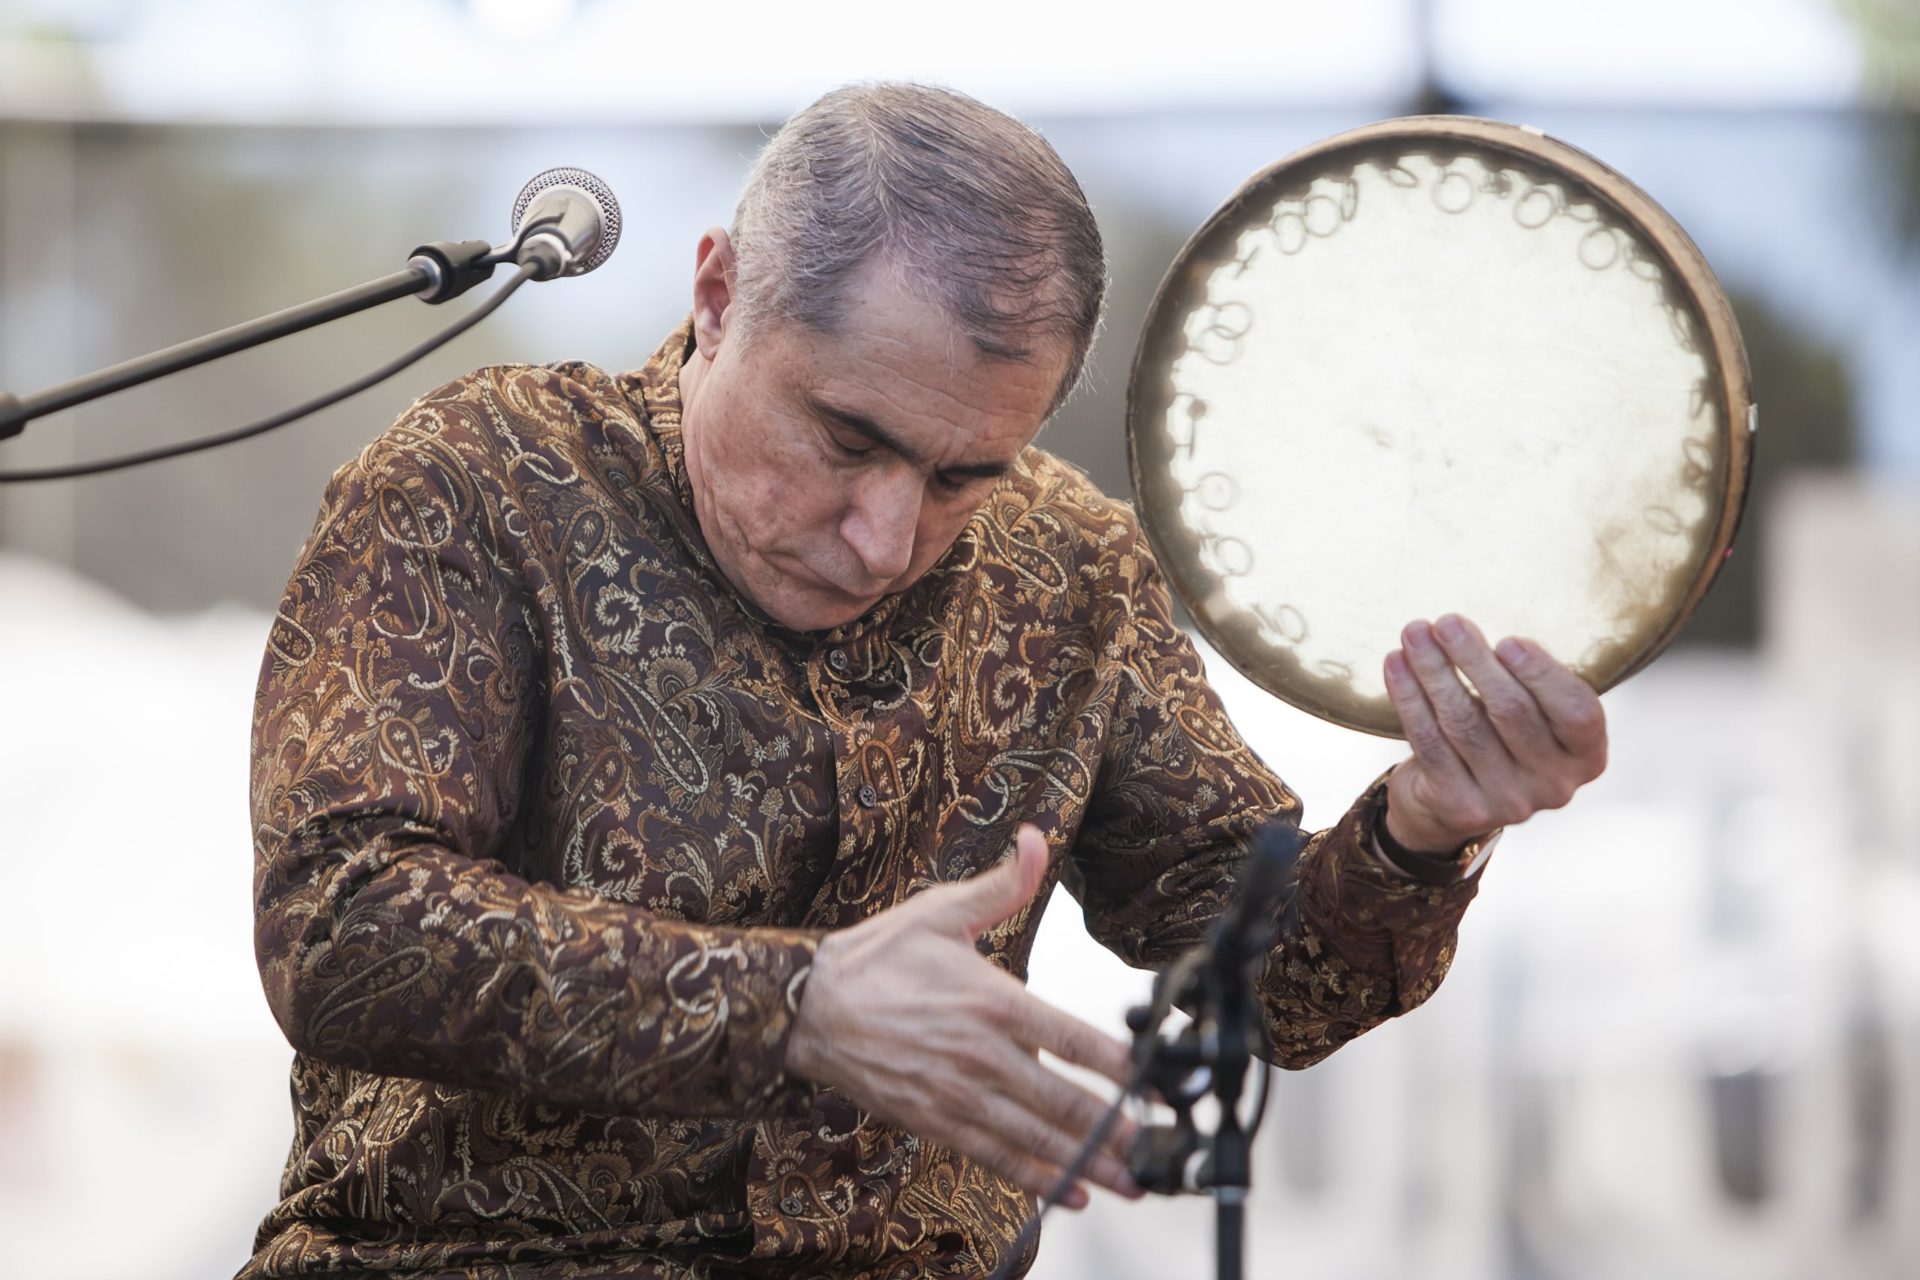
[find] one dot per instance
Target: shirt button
(837, 659)
(868, 797)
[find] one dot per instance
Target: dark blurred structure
(1805, 391)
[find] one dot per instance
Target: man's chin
(820, 610)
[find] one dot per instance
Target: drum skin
(1437, 364)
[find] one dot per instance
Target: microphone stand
(1213, 1053)
(1210, 1055)
(434, 273)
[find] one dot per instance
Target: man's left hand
(1524, 738)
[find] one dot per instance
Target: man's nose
(881, 522)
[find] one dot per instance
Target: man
(658, 778)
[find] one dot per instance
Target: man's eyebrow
(860, 424)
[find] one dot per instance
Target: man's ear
(713, 285)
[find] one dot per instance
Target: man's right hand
(903, 1015)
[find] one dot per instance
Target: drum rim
(1157, 495)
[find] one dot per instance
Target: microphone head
(1264, 897)
(575, 185)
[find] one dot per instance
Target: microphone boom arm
(434, 273)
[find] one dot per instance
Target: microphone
(576, 223)
(1213, 982)
(1242, 935)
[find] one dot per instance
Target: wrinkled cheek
(752, 493)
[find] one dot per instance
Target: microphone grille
(597, 191)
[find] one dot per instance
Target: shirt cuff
(709, 1032)
(1408, 864)
(788, 963)
(1380, 919)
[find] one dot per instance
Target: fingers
(1421, 725)
(1038, 1025)
(1456, 711)
(1517, 716)
(997, 894)
(1023, 1124)
(1030, 854)
(985, 1096)
(1030, 1124)
(905, 1016)
(1031, 1174)
(1042, 1113)
(1057, 1101)
(1572, 709)
(1524, 737)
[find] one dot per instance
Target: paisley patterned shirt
(548, 821)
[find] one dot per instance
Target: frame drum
(1434, 365)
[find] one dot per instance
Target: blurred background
(1683, 1035)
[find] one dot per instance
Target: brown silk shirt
(548, 822)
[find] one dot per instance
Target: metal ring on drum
(1450, 365)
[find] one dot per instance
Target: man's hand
(905, 1017)
(1534, 734)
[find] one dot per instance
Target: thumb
(976, 905)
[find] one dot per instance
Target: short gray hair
(973, 209)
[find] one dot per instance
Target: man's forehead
(892, 339)
(938, 446)
(923, 409)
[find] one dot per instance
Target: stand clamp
(1210, 1055)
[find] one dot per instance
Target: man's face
(831, 469)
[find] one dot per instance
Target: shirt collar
(655, 389)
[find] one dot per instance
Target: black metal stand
(1211, 1055)
(434, 273)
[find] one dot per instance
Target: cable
(1031, 1228)
(281, 419)
(1168, 985)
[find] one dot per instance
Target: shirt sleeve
(1176, 805)
(398, 701)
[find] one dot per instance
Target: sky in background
(595, 61)
(1779, 208)
(1200, 87)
